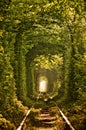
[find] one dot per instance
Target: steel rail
(62, 114)
(66, 119)
(22, 123)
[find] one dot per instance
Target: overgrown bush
(15, 112)
(5, 124)
(76, 114)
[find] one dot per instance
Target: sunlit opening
(43, 85)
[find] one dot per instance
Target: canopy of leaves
(41, 33)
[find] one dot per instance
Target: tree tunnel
(35, 55)
(45, 60)
(39, 53)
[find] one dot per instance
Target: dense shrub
(5, 124)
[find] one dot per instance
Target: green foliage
(5, 124)
(76, 113)
(45, 29)
(8, 107)
(48, 62)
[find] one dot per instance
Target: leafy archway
(48, 59)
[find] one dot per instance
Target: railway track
(45, 117)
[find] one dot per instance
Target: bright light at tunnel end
(43, 86)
